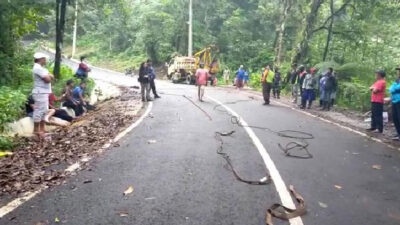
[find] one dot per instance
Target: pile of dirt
(35, 164)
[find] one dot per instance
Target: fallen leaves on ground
(377, 167)
(36, 164)
(129, 190)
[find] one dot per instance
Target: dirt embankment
(36, 164)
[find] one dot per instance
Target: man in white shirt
(40, 93)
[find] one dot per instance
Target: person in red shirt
(378, 91)
(202, 76)
(83, 69)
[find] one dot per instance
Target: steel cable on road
(276, 210)
(218, 137)
(300, 137)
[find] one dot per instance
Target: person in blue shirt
(79, 92)
(240, 76)
(395, 98)
(246, 78)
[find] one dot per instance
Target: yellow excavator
(183, 68)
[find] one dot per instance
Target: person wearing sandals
(40, 94)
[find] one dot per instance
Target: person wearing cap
(202, 76)
(40, 93)
(378, 90)
(309, 85)
(395, 99)
(266, 81)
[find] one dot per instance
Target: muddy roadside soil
(36, 165)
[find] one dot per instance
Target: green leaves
(11, 105)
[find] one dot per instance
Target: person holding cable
(40, 94)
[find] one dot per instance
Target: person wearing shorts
(202, 76)
(40, 93)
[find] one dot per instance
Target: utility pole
(190, 44)
(75, 30)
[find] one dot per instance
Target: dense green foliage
(354, 36)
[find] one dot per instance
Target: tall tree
(61, 10)
(306, 35)
(287, 4)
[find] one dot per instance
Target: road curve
(170, 159)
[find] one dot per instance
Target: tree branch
(323, 26)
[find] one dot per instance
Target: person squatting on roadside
(152, 79)
(378, 90)
(202, 77)
(308, 87)
(240, 77)
(395, 99)
(144, 80)
(69, 100)
(83, 69)
(266, 81)
(276, 89)
(40, 93)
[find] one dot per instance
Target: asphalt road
(180, 179)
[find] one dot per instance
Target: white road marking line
(17, 202)
(340, 125)
(14, 204)
(331, 122)
(280, 185)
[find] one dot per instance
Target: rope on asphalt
(299, 145)
(276, 210)
(220, 151)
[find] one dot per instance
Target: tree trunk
(303, 47)
(75, 30)
(330, 29)
(58, 50)
(60, 24)
(281, 32)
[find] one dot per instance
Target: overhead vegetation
(355, 36)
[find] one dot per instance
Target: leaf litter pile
(36, 164)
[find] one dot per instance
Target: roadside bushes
(11, 104)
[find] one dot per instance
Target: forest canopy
(354, 36)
